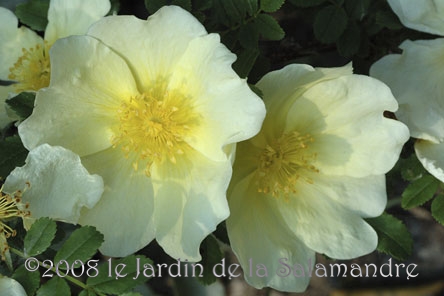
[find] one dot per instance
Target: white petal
(204, 73)
(11, 287)
(12, 40)
(415, 78)
(366, 196)
(124, 214)
(79, 109)
(425, 15)
(151, 47)
(60, 186)
(67, 18)
(283, 87)
(189, 202)
(355, 138)
(258, 233)
(431, 156)
(325, 225)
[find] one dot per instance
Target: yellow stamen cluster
(11, 206)
(283, 163)
(32, 70)
(154, 125)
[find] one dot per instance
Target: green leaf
(87, 293)
(81, 245)
(438, 208)
(12, 153)
(419, 192)
(248, 36)
(22, 104)
(245, 61)
(33, 14)
(232, 11)
(251, 6)
(185, 4)
(39, 236)
(349, 42)
(202, 4)
(244, 7)
(54, 287)
(211, 255)
(219, 16)
(29, 280)
(268, 27)
(271, 5)
(330, 23)
(107, 280)
(357, 9)
(388, 19)
(306, 3)
(393, 237)
(411, 168)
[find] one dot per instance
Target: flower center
(283, 163)
(32, 70)
(10, 206)
(154, 125)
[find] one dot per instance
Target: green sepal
(33, 13)
(22, 104)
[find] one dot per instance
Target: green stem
(69, 278)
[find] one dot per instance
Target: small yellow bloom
(315, 170)
(24, 56)
(11, 206)
(154, 107)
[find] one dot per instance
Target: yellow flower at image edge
(155, 109)
(24, 56)
(315, 170)
(11, 287)
(415, 78)
(11, 206)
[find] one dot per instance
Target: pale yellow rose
(24, 56)
(154, 107)
(304, 184)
